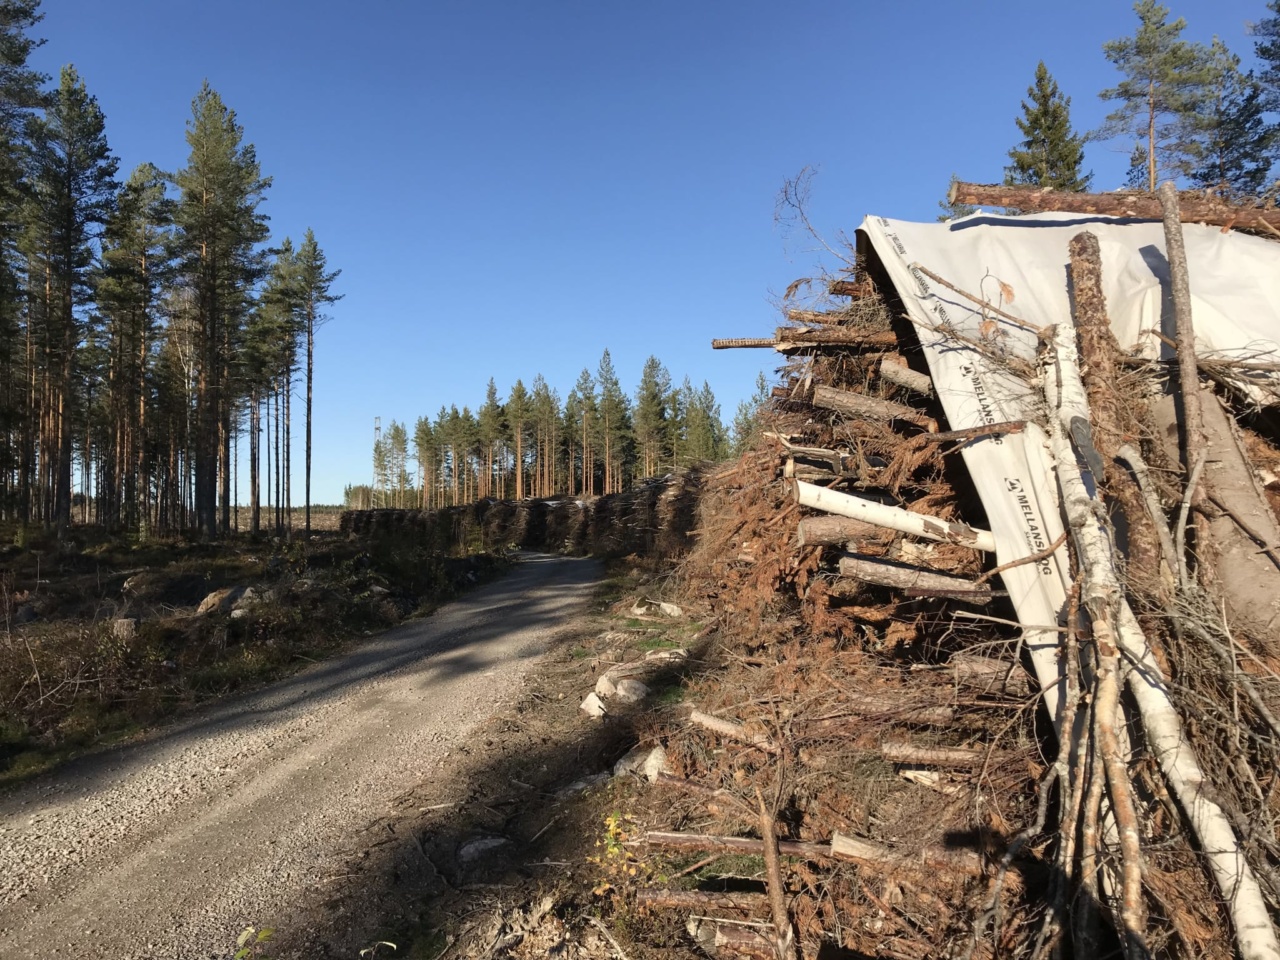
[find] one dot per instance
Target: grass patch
(658, 642)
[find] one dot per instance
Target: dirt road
(169, 848)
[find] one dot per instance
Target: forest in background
(1191, 112)
(598, 440)
(146, 323)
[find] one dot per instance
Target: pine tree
(220, 231)
(1165, 82)
(73, 191)
(136, 267)
(653, 417)
(20, 94)
(615, 425)
(1267, 48)
(544, 409)
(314, 278)
(1236, 145)
(518, 422)
(1051, 153)
(424, 452)
(490, 428)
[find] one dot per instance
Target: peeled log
(888, 573)
(869, 408)
(1143, 206)
(895, 370)
(969, 863)
(895, 518)
(898, 752)
(835, 531)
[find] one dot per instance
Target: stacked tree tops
(1005, 468)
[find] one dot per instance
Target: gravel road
(169, 848)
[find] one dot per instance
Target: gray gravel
(169, 848)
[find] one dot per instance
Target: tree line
(530, 443)
(146, 324)
(1184, 110)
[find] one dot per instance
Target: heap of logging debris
(999, 597)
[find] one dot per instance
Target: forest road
(167, 849)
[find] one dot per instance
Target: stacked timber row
(875, 735)
(653, 519)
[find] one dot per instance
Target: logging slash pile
(903, 765)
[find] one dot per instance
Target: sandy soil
(239, 815)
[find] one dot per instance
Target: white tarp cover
(1019, 264)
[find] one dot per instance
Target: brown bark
(968, 863)
(888, 573)
(857, 405)
(835, 531)
(1115, 418)
(1145, 206)
(825, 317)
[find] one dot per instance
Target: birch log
(1254, 933)
(895, 518)
(894, 369)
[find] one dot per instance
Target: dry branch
(702, 901)
(800, 849)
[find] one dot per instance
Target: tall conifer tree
(1051, 153)
(1165, 82)
(220, 231)
(1235, 144)
(72, 196)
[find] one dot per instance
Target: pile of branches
(876, 738)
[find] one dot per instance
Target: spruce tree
(1165, 82)
(1051, 153)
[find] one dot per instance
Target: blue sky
(512, 187)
